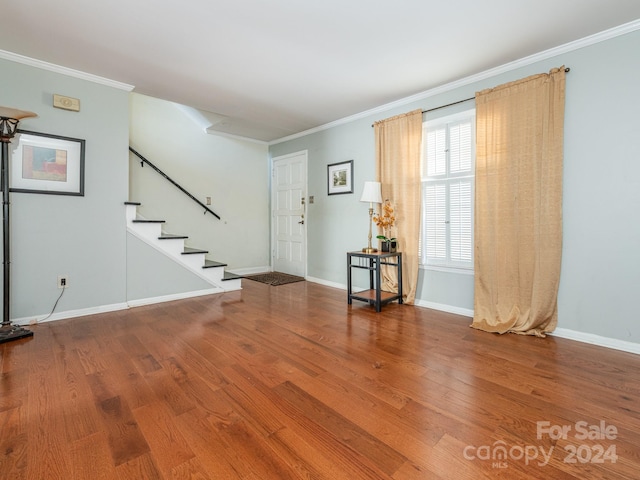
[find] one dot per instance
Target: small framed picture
(340, 178)
(43, 163)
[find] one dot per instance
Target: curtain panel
(518, 204)
(398, 147)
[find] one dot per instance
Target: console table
(373, 262)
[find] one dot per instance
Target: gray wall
(233, 172)
(600, 278)
(82, 237)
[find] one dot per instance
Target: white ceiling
(269, 69)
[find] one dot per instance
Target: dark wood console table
(373, 262)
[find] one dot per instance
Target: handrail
(144, 160)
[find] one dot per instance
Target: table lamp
(371, 194)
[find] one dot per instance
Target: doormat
(274, 278)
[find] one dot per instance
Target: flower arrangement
(385, 220)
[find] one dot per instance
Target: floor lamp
(9, 118)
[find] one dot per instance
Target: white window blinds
(447, 219)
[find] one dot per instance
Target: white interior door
(288, 202)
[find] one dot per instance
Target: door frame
(306, 209)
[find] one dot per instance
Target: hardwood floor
(290, 382)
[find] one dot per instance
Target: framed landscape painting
(340, 177)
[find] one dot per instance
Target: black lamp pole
(8, 127)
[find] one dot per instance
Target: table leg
(378, 287)
(371, 263)
(349, 289)
(400, 278)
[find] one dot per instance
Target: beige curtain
(518, 206)
(398, 144)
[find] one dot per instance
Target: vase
(389, 246)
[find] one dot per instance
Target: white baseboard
(566, 333)
(592, 339)
(250, 270)
(70, 314)
(465, 312)
(172, 297)
(326, 283)
(33, 320)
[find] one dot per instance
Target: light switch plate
(66, 103)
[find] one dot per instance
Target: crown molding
(14, 57)
(507, 67)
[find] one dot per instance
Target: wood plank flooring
(290, 382)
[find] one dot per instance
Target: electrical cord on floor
(55, 304)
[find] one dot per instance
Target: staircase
(173, 246)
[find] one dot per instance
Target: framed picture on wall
(340, 178)
(44, 163)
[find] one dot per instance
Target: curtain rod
(567, 70)
(448, 105)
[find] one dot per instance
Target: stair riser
(194, 261)
(215, 274)
(147, 230)
(172, 247)
(131, 211)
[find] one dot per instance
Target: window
(447, 191)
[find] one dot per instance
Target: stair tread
(140, 220)
(213, 264)
(171, 236)
(230, 276)
(192, 251)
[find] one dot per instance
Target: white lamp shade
(9, 118)
(7, 112)
(371, 193)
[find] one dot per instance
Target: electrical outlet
(208, 200)
(63, 281)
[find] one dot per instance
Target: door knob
(301, 222)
